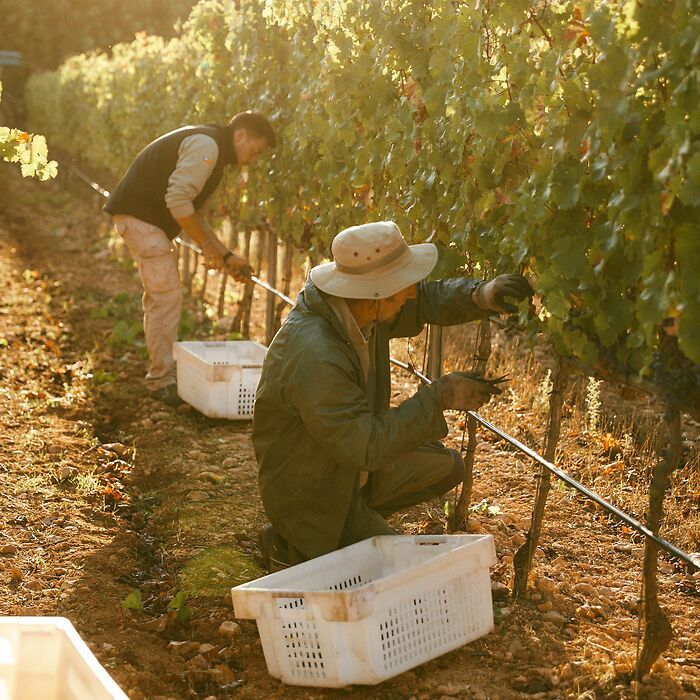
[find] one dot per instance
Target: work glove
(464, 392)
(489, 296)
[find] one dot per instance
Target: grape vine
(29, 150)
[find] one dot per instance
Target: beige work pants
(156, 259)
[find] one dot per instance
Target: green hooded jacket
(317, 425)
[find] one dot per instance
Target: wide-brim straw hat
(373, 261)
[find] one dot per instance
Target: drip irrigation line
(563, 476)
(95, 186)
(186, 244)
(265, 285)
(592, 495)
(253, 278)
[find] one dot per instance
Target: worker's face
(247, 146)
(388, 309)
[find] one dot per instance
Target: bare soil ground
(104, 492)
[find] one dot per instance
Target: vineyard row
(560, 139)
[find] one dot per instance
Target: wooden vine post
(287, 265)
(205, 280)
(221, 299)
(434, 351)
(259, 259)
(271, 255)
(231, 240)
(241, 321)
(657, 628)
(195, 264)
(522, 561)
(190, 262)
(185, 259)
(460, 516)
(312, 259)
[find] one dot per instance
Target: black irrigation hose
(588, 493)
(90, 182)
(563, 476)
(252, 278)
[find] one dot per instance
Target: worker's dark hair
(256, 124)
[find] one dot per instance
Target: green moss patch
(215, 570)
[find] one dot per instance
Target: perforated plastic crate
(219, 378)
(44, 658)
(372, 610)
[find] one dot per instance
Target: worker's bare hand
(462, 392)
(238, 268)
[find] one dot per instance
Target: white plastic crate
(44, 658)
(372, 610)
(219, 378)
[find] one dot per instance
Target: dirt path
(104, 492)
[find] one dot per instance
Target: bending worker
(160, 195)
(334, 459)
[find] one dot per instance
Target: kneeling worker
(334, 459)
